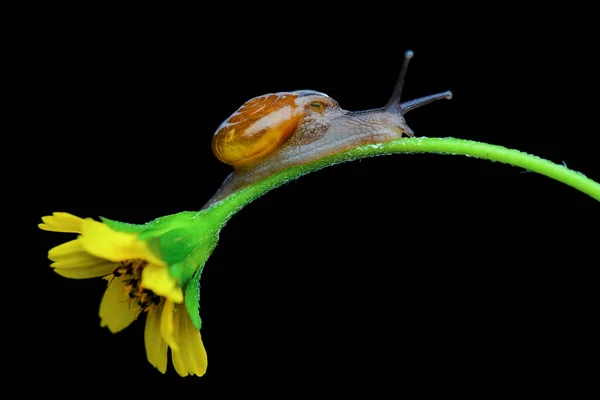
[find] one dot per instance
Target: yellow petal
(166, 324)
(78, 260)
(98, 239)
(72, 261)
(117, 310)
(191, 347)
(176, 355)
(157, 278)
(61, 222)
(68, 250)
(156, 347)
(103, 268)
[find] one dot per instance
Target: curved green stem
(212, 219)
(227, 207)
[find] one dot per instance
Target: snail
(270, 133)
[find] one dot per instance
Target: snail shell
(261, 125)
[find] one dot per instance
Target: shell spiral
(258, 127)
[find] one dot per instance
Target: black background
(430, 272)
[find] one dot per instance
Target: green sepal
(177, 244)
(150, 234)
(176, 270)
(184, 241)
(154, 247)
(179, 249)
(122, 226)
(174, 238)
(172, 221)
(192, 298)
(155, 227)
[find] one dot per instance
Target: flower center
(130, 273)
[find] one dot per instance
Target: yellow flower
(138, 282)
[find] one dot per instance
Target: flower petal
(190, 344)
(117, 310)
(61, 222)
(98, 239)
(156, 347)
(78, 260)
(74, 248)
(157, 278)
(102, 268)
(166, 324)
(72, 261)
(176, 355)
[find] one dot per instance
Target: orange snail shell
(257, 128)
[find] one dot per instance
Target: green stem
(230, 205)
(214, 218)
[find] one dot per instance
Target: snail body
(270, 133)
